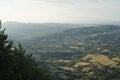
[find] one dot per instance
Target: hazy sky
(61, 11)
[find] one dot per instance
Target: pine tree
(15, 64)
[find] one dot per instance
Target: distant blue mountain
(26, 31)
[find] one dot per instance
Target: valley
(75, 52)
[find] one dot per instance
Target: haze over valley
(60, 40)
(64, 48)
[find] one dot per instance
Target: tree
(15, 64)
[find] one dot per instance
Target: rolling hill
(94, 39)
(26, 31)
(75, 53)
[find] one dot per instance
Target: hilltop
(94, 39)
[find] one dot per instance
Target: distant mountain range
(26, 31)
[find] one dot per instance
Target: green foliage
(102, 39)
(98, 73)
(15, 64)
(72, 44)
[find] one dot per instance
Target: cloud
(75, 1)
(57, 1)
(66, 1)
(60, 10)
(69, 2)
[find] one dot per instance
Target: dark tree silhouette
(15, 64)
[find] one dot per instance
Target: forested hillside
(15, 64)
(93, 39)
(83, 53)
(60, 40)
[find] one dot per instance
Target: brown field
(100, 59)
(116, 59)
(86, 69)
(83, 64)
(67, 68)
(65, 61)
